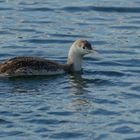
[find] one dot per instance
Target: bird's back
(30, 66)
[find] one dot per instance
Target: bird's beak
(93, 51)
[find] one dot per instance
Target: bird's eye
(84, 47)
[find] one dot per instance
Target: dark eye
(84, 47)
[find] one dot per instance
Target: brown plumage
(30, 66)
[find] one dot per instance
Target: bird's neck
(75, 60)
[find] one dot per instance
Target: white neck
(74, 59)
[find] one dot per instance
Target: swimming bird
(22, 66)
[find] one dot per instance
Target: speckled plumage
(31, 66)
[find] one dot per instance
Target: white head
(78, 49)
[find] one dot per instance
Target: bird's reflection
(78, 84)
(30, 84)
(78, 92)
(78, 88)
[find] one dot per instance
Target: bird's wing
(17, 63)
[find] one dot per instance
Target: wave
(102, 9)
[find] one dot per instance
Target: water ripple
(67, 135)
(44, 121)
(3, 121)
(65, 113)
(5, 9)
(5, 32)
(130, 27)
(42, 9)
(131, 96)
(105, 112)
(12, 133)
(45, 41)
(124, 130)
(110, 73)
(102, 102)
(102, 9)
(68, 35)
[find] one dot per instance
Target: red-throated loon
(22, 66)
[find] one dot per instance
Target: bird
(25, 65)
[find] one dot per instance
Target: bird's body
(21, 66)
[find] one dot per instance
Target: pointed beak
(93, 51)
(96, 54)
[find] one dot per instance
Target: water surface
(102, 103)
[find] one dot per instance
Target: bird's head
(78, 49)
(82, 47)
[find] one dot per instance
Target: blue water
(102, 103)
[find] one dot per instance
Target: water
(100, 104)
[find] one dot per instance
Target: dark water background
(103, 103)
